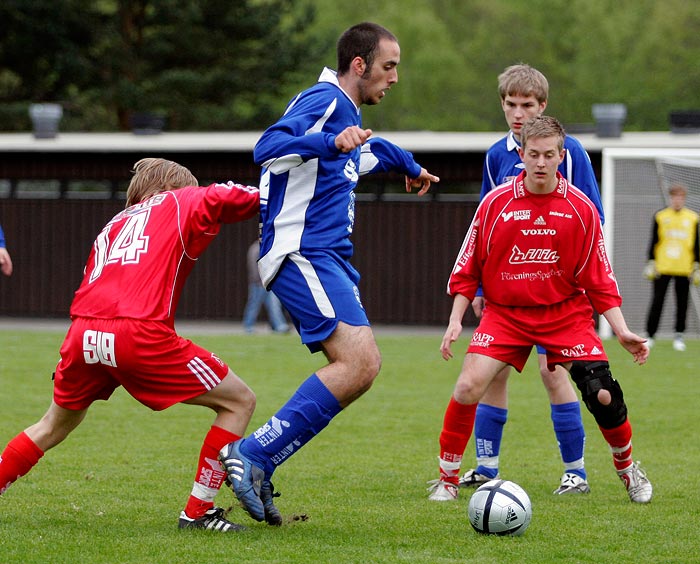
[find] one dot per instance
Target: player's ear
(358, 66)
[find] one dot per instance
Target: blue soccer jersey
(307, 198)
(503, 163)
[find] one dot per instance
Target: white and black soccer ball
(500, 507)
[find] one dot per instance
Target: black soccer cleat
(212, 520)
(272, 514)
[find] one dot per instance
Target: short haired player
(538, 242)
(524, 92)
(674, 254)
(122, 328)
(312, 158)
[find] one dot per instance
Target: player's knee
(554, 380)
(368, 368)
(604, 397)
(601, 393)
(468, 390)
(374, 364)
(248, 400)
(232, 395)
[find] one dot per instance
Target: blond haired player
(538, 242)
(122, 328)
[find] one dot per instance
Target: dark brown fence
(404, 251)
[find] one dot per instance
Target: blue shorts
(319, 290)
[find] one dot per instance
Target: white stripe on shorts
(204, 374)
(317, 290)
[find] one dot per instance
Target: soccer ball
(500, 507)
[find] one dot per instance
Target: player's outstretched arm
(422, 181)
(454, 326)
(632, 342)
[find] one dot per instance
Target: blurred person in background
(258, 296)
(674, 254)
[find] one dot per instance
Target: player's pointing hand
(422, 182)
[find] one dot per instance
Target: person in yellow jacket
(674, 254)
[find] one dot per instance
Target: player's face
(541, 157)
(677, 201)
(518, 109)
(382, 75)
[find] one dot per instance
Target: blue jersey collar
(330, 76)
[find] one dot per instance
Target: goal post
(634, 187)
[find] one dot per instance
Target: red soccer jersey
(535, 249)
(140, 261)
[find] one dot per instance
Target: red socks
(457, 428)
(18, 458)
(620, 441)
(209, 476)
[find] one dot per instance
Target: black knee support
(590, 378)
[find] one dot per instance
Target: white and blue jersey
(307, 199)
(503, 163)
(307, 206)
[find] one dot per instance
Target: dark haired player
(312, 159)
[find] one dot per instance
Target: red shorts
(566, 331)
(155, 365)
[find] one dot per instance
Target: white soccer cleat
(637, 484)
(572, 484)
(442, 491)
(678, 344)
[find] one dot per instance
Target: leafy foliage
(221, 65)
(205, 64)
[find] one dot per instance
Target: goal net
(634, 187)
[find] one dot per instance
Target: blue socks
(299, 420)
(568, 428)
(488, 432)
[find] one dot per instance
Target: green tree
(222, 65)
(42, 54)
(206, 64)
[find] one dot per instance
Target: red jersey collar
(519, 190)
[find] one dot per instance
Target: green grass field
(113, 491)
